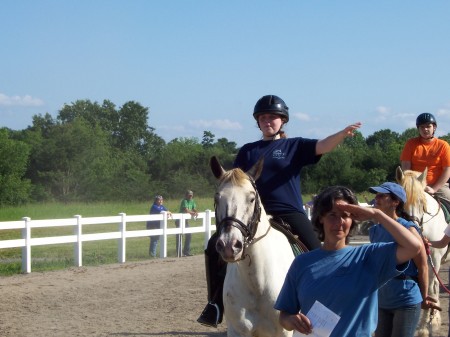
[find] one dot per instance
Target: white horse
(258, 256)
(430, 216)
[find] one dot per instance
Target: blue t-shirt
(279, 183)
(345, 281)
(155, 209)
(397, 293)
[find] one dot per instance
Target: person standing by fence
(156, 208)
(189, 206)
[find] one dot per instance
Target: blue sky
(202, 65)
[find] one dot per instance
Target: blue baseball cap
(388, 187)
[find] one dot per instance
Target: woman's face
(384, 202)
(336, 224)
(269, 124)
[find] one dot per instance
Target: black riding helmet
(271, 104)
(425, 118)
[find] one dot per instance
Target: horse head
(414, 184)
(238, 209)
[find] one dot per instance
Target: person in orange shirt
(428, 151)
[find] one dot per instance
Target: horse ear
(216, 167)
(256, 169)
(399, 174)
(423, 177)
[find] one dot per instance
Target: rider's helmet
(271, 104)
(425, 118)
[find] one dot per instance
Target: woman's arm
(327, 144)
(443, 178)
(408, 246)
(421, 262)
(442, 243)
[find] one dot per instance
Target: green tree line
(101, 152)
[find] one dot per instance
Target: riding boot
(215, 267)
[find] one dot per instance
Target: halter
(248, 230)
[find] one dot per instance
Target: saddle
(297, 246)
(445, 205)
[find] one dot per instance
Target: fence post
(78, 247)
(26, 250)
(123, 239)
(163, 238)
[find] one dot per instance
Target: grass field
(51, 257)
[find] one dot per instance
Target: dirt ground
(160, 297)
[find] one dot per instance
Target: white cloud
(444, 111)
(170, 127)
(382, 113)
(301, 116)
(383, 110)
(26, 100)
(221, 124)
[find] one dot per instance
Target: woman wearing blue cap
(401, 298)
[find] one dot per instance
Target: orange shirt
(435, 155)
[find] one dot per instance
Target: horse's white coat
(433, 228)
(252, 284)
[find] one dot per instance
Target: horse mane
(415, 193)
(236, 176)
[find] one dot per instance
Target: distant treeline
(99, 152)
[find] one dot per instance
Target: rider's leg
(215, 275)
(444, 193)
(302, 227)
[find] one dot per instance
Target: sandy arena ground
(160, 297)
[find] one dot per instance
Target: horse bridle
(420, 221)
(248, 230)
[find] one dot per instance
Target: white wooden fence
(121, 234)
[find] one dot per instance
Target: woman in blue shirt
(401, 298)
(156, 208)
(343, 278)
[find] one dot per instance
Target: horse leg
(434, 291)
(430, 321)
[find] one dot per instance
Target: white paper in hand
(323, 321)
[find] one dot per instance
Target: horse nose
(229, 249)
(220, 246)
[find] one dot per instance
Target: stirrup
(211, 315)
